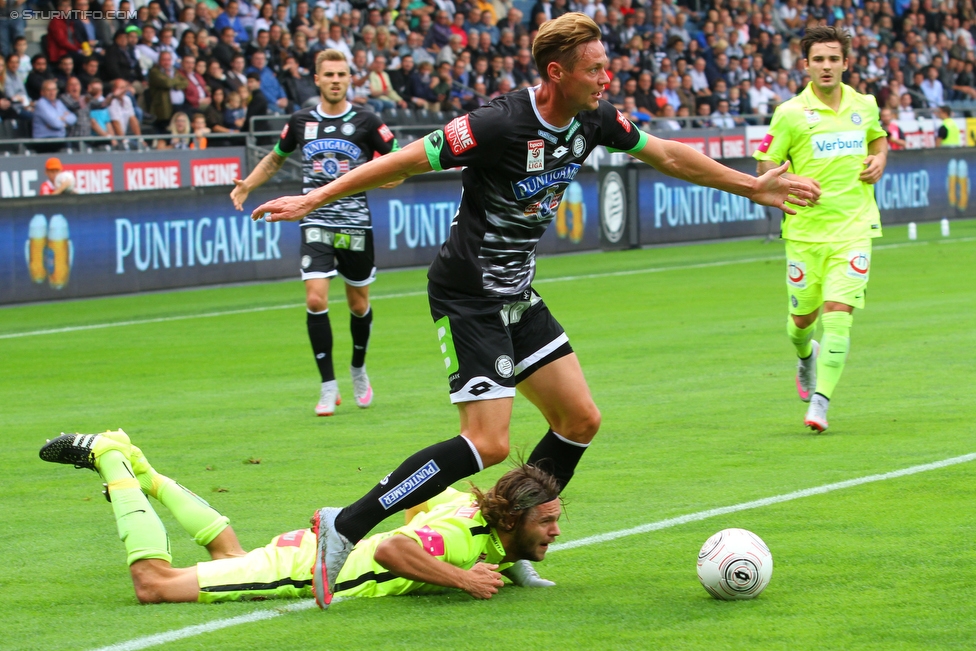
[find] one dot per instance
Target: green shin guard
(194, 514)
(802, 338)
(140, 529)
(833, 350)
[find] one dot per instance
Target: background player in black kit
(338, 238)
(519, 152)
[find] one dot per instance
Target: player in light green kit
(831, 134)
(455, 540)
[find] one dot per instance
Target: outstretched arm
(771, 189)
(406, 559)
(260, 175)
(397, 166)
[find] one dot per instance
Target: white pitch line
(608, 274)
(216, 625)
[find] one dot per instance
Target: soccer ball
(65, 177)
(734, 564)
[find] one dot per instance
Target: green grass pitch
(686, 353)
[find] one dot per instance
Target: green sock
(139, 527)
(802, 338)
(833, 350)
(198, 518)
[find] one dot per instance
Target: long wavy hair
(519, 490)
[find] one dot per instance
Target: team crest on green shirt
(855, 118)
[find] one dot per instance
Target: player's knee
(148, 585)
(316, 303)
(585, 426)
(493, 452)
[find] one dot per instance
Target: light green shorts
(826, 271)
(280, 569)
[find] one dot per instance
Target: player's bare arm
(260, 175)
(405, 558)
(397, 166)
(771, 189)
(877, 159)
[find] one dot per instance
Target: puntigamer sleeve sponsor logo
(841, 143)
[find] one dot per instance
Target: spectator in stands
(963, 81)
(615, 95)
(120, 61)
(300, 50)
(38, 75)
(781, 87)
(227, 47)
(77, 103)
(14, 89)
(89, 70)
(271, 90)
(188, 45)
(524, 71)
(668, 121)
(61, 34)
(197, 92)
(217, 78)
(205, 23)
(11, 28)
(187, 22)
(686, 92)
(20, 49)
(214, 114)
(298, 84)
(261, 43)
(896, 139)
(236, 76)
(179, 125)
(257, 103)
(145, 48)
(932, 88)
(65, 69)
(635, 114)
(451, 53)
(230, 18)
(167, 90)
(738, 103)
(121, 110)
(721, 118)
(101, 121)
(761, 97)
(235, 112)
(381, 87)
(51, 117)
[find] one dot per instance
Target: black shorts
(327, 251)
(491, 344)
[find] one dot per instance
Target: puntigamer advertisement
(71, 246)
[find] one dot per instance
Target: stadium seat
(391, 116)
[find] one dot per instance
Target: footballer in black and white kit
(516, 168)
(518, 153)
(333, 138)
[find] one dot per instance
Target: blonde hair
(560, 39)
(329, 55)
(173, 127)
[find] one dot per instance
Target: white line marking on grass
(606, 274)
(216, 625)
(766, 501)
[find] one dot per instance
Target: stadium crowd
(169, 67)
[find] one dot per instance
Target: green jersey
(830, 148)
(453, 530)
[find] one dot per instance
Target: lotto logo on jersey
(459, 136)
(624, 122)
(385, 133)
(796, 274)
(766, 142)
(858, 264)
(536, 160)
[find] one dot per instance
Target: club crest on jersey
(459, 136)
(856, 118)
(579, 146)
(536, 158)
(532, 185)
(858, 265)
(796, 274)
(624, 122)
(331, 146)
(348, 129)
(385, 133)
(311, 130)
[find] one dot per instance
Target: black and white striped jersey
(331, 145)
(516, 168)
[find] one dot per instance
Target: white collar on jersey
(323, 116)
(535, 109)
